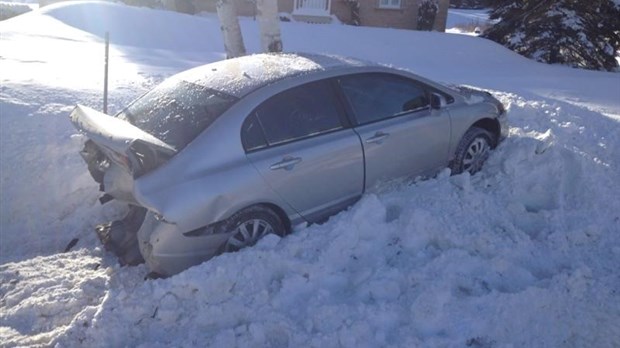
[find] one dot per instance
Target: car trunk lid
(112, 139)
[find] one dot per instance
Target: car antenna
(105, 72)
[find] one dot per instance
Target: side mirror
(438, 101)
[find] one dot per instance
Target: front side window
(297, 113)
(389, 3)
(177, 111)
(378, 96)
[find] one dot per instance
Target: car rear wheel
(250, 225)
(472, 151)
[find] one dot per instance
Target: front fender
(465, 116)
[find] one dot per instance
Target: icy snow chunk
(225, 338)
(427, 310)
(462, 181)
(546, 141)
(168, 311)
(423, 227)
(584, 236)
(43, 296)
(383, 290)
(258, 332)
(268, 242)
(371, 211)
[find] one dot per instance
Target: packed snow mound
(46, 308)
(132, 26)
(524, 253)
(160, 29)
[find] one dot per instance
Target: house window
(389, 3)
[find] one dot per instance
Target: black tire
(250, 225)
(472, 151)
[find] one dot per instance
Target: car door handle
(286, 163)
(377, 138)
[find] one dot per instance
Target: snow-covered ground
(524, 254)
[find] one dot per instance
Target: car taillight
(121, 159)
(103, 165)
(145, 157)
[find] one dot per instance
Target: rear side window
(177, 111)
(377, 96)
(297, 113)
(252, 134)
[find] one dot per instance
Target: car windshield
(177, 111)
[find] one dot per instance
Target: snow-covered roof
(240, 76)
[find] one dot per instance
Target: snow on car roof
(240, 76)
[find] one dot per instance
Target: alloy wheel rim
(476, 154)
(248, 233)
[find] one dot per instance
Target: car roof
(240, 76)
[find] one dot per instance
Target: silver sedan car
(221, 155)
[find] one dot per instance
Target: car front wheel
(472, 151)
(250, 225)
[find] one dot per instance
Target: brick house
(374, 13)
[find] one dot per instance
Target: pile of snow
(525, 253)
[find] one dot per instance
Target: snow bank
(525, 253)
(135, 26)
(37, 308)
(522, 254)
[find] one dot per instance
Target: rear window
(297, 113)
(177, 111)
